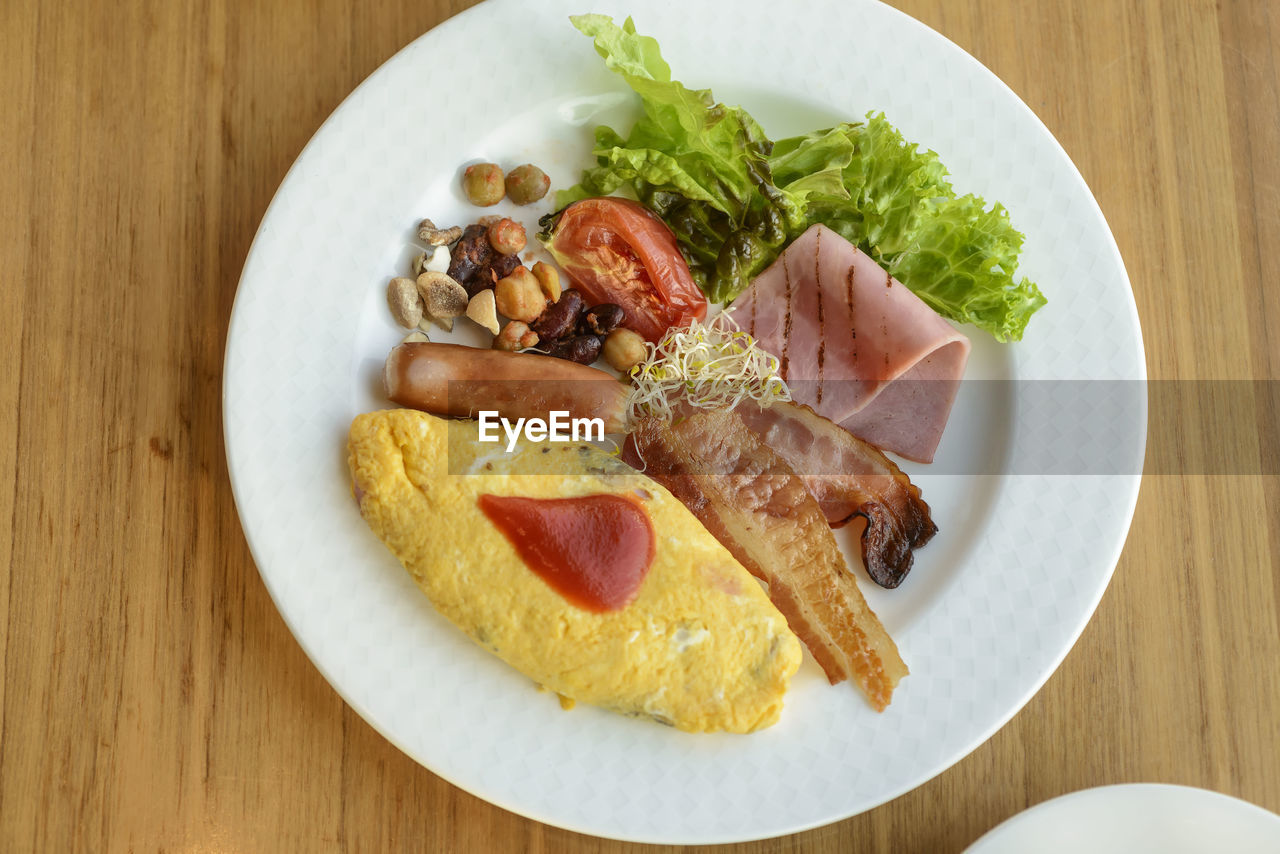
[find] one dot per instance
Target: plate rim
(1013, 823)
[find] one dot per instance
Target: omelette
(578, 571)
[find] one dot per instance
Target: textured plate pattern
(993, 605)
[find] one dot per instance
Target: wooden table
(153, 699)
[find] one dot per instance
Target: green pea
(526, 184)
(482, 183)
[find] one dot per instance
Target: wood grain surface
(153, 699)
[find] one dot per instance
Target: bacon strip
(752, 502)
(850, 477)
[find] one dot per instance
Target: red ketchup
(593, 551)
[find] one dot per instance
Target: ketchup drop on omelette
(594, 550)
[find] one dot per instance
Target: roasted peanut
(507, 236)
(519, 297)
(624, 349)
(549, 278)
(515, 336)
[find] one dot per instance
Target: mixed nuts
(475, 271)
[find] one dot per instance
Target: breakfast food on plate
(483, 184)
(856, 345)
(526, 184)
(734, 198)
(615, 250)
(583, 574)
(476, 272)
(838, 256)
(708, 401)
(849, 477)
(451, 379)
(761, 511)
(474, 262)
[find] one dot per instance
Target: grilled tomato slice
(616, 250)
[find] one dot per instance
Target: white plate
(1137, 818)
(993, 604)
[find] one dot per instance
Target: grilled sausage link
(451, 379)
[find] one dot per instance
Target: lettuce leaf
(954, 252)
(685, 142)
(734, 198)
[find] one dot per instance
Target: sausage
(452, 379)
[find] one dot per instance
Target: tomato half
(616, 250)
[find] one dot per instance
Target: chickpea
(516, 335)
(507, 236)
(624, 349)
(519, 297)
(527, 184)
(482, 184)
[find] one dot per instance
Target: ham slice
(855, 344)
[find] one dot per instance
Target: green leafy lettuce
(734, 198)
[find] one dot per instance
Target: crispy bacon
(850, 477)
(750, 499)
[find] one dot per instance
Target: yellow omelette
(699, 647)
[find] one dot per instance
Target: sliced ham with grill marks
(855, 344)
